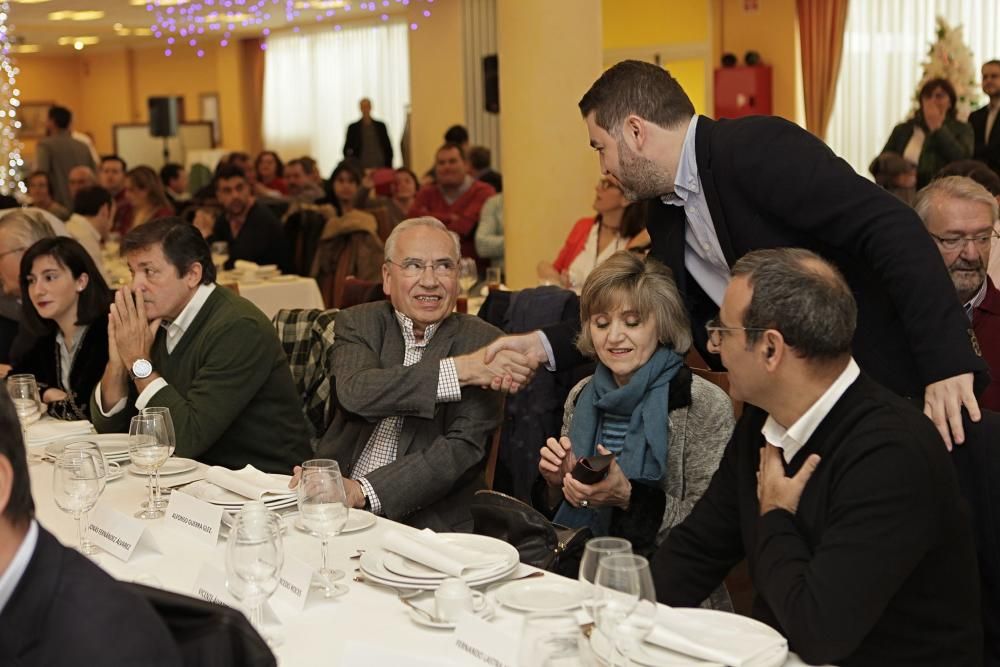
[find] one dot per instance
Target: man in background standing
(984, 121)
(59, 152)
(368, 140)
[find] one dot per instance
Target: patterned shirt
(380, 450)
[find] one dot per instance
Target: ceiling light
(29, 2)
(320, 4)
(157, 3)
(68, 15)
(26, 48)
(86, 40)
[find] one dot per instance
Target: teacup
(453, 598)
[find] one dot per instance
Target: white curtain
(885, 42)
(313, 82)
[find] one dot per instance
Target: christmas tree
(949, 58)
(10, 146)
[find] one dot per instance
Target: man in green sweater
(175, 339)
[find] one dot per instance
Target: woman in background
(270, 173)
(144, 191)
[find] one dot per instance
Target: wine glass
(23, 392)
(148, 449)
(468, 275)
(549, 639)
(86, 546)
(624, 603)
(594, 552)
(254, 557)
(76, 485)
(323, 507)
(220, 254)
(171, 439)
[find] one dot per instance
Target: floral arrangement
(949, 58)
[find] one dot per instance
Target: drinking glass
(323, 508)
(101, 464)
(148, 449)
(494, 277)
(23, 392)
(171, 439)
(550, 639)
(220, 254)
(468, 275)
(254, 557)
(625, 603)
(76, 485)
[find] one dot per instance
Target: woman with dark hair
(270, 171)
(593, 240)
(144, 191)
(933, 137)
(65, 303)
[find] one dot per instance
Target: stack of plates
(211, 493)
(114, 446)
(394, 570)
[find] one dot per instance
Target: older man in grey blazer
(414, 413)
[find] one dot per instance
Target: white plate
(548, 594)
(173, 466)
(211, 493)
(373, 561)
(356, 520)
(114, 446)
(653, 655)
(372, 569)
(486, 613)
(410, 569)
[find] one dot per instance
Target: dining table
(366, 625)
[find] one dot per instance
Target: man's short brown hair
(635, 87)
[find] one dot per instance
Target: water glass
(86, 546)
(76, 485)
(468, 274)
(148, 449)
(254, 558)
(624, 603)
(550, 639)
(171, 439)
(23, 392)
(323, 508)
(595, 551)
(220, 254)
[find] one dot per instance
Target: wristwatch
(141, 369)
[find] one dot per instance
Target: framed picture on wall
(33, 116)
(209, 103)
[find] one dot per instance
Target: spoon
(423, 612)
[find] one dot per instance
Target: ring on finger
(585, 503)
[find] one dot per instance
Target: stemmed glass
(596, 550)
(101, 465)
(549, 639)
(625, 603)
(220, 254)
(468, 275)
(323, 507)
(23, 391)
(171, 439)
(148, 449)
(254, 557)
(76, 485)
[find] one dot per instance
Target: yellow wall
(772, 31)
(53, 79)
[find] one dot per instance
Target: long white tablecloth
(366, 626)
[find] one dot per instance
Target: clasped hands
(556, 467)
(505, 370)
(130, 333)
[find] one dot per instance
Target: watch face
(142, 368)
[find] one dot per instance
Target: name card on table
(294, 582)
(480, 643)
(195, 518)
(119, 534)
(211, 585)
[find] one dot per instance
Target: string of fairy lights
(10, 103)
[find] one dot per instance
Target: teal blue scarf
(643, 401)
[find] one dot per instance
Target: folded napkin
(46, 430)
(433, 551)
(705, 639)
(243, 265)
(250, 482)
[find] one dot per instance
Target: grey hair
(645, 286)
(954, 187)
(802, 296)
(26, 227)
(424, 221)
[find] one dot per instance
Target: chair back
(302, 232)
(358, 291)
(307, 337)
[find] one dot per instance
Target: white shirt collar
(181, 323)
(686, 181)
(84, 224)
(794, 438)
(10, 579)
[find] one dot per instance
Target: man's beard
(639, 176)
(966, 283)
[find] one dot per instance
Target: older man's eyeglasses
(412, 268)
(953, 243)
(715, 330)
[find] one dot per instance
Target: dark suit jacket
(352, 145)
(67, 611)
(261, 240)
(876, 567)
(771, 184)
(988, 153)
(442, 448)
(88, 367)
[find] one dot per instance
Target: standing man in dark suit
(985, 130)
(837, 492)
(720, 189)
(368, 140)
(56, 607)
(252, 231)
(413, 422)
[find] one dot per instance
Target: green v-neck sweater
(230, 391)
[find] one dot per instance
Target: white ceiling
(31, 23)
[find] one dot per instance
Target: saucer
(486, 613)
